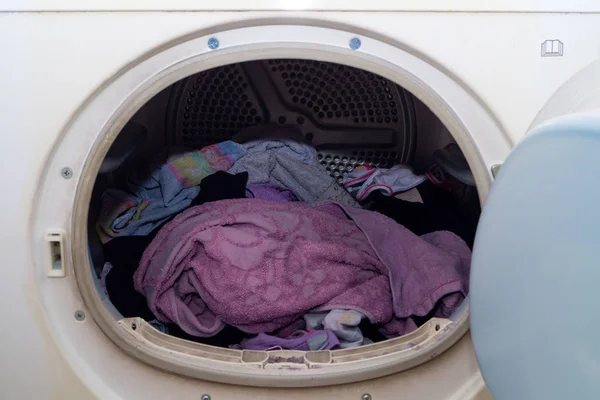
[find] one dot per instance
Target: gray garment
(130, 138)
(282, 159)
(314, 320)
(103, 274)
(343, 323)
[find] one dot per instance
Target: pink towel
(259, 265)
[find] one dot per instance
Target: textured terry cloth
(398, 327)
(270, 192)
(260, 265)
(311, 341)
(451, 160)
(280, 158)
(161, 190)
(125, 253)
(365, 179)
(343, 323)
(437, 214)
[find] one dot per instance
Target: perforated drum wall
(351, 116)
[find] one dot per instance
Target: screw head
(79, 315)
(205, 397)
(213, 43)
(66, 173)
(354, 43)
(366, 396)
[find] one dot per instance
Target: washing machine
(515, 84)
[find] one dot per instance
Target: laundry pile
(250, 244)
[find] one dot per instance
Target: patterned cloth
(161, 190)
(365, 179)
(260, 265)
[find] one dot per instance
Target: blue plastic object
(535, 280)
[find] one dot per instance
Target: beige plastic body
(64, 70)
(281, 359)
(99, 344)
(255, 369)
(55, 251)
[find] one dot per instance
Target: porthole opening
(355, 124)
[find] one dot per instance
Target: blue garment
(161, 190)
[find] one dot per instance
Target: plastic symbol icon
(552, 48)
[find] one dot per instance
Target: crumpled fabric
(260, 265)
(161, 189)
(304, 341)
(270, 192)
(276, 155)
(364, 180)
(343, 323)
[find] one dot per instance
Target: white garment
(411, 195)
(343, 323)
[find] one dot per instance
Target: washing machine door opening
(144, 109)
(340, 125)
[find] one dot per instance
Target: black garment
(371, 331)
(125, 253)
(438, 212)
(221, 186)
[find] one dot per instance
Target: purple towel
(260, 265)
(270, 192)
(315, 340)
